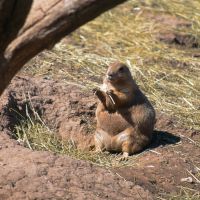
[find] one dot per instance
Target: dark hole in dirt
(16, 113)
(181, 39)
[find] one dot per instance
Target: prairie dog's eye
(121, 69)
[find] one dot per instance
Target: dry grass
(167, 73)
(184, 194)
(35, 135)
(32, 132)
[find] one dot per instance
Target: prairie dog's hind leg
(121, 139)
(134, 145)
(101, 138)
(128, 142)
(98, 140)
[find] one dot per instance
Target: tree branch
(46, 23)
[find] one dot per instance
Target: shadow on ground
(163, 138)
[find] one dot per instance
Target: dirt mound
(173, 154)
(25, 174)
(170, 29)
(178, 38)
(64, 108)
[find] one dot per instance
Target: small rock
(188, 180)
(150, 166)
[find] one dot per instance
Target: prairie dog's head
(118, 72)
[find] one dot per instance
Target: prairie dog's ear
(117, 67)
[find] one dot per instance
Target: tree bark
(28, 27)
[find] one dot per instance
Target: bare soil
(70, 111)
(161, 169)
(169, 25)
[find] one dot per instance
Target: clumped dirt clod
(70, 112)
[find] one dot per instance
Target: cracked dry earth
(27, 174)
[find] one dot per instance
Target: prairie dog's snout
(109, 76)
(118, 72)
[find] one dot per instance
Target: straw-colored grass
(168, 74)
(184, 194)
(35, 135)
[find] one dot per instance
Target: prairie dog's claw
(96, 91)
(110, 94)
(124, 157)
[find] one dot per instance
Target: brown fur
(125, 117)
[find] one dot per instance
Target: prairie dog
(125, 117)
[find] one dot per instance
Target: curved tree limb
(28, 27)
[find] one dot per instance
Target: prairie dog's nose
(109, 76)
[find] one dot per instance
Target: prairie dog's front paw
(99, 94)
(104, 87)
(110, 95)
(95, 91)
